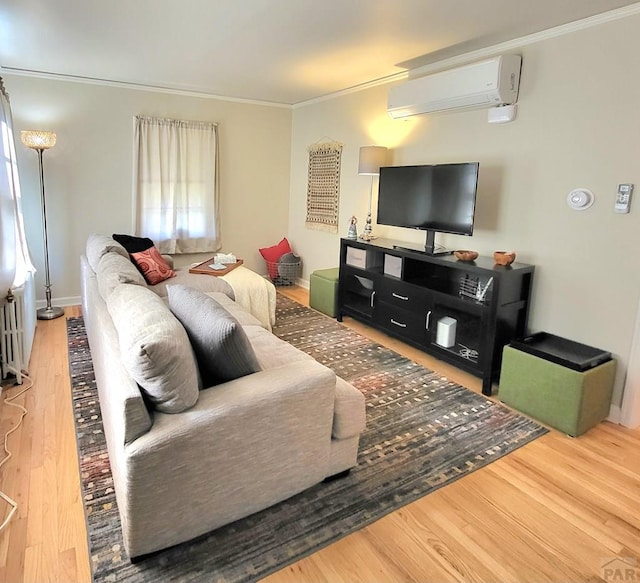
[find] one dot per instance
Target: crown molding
(137, 86)
(355, 89)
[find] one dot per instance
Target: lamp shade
(371, 158)
(38, 139)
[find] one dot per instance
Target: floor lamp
(369, 162)
(40, 141)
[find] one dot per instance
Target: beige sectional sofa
(187, 456)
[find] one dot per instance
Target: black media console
(461, 312)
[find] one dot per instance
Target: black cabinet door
(458, 334)
(357, 292)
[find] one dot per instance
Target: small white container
(357, 257)
(393, 265)
(446, 332)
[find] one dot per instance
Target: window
(176, 183)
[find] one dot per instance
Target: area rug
(423, 432)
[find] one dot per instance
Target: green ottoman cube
(323, 291)
(568, 400)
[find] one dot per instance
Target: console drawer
(401, 294)
(402, 322)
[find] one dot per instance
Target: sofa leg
(141, 558)
(337, 476)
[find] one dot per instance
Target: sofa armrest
(245, 445)
(349, 415)
(168, 259)
(304, 389)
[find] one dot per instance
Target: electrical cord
(9, 401)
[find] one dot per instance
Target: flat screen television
(434, 198)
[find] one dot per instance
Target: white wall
(577, 126)
(88, 174)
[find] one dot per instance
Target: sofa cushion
(155, 348)
(99, 245)
(239, 313)
(133, 244)
(222, 348)
(272, 352)
(152, 266)
(349, 408)
(114, 270)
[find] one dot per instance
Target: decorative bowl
(465, 254)
(504, 257)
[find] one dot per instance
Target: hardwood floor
(46, 539)
(557, 510)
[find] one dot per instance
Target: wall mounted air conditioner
(483, 84)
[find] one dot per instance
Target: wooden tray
(204, 269)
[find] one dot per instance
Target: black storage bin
(565, 352)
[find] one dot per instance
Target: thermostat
(580, 199)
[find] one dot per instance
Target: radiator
(17, 329)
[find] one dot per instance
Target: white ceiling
(283, 51)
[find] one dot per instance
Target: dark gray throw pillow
(222, 349)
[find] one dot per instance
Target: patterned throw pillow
(272, 254)
(152, 265)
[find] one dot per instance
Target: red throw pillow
(152, 265)
(272, 254)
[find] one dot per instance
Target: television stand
(425, 250)
(430, 247)
(462, 312)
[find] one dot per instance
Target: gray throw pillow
(222, 349)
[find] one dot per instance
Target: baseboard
(615, 414)
(62, 302)
(303, 283)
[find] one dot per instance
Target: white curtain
(15, 261)
(176, 184)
